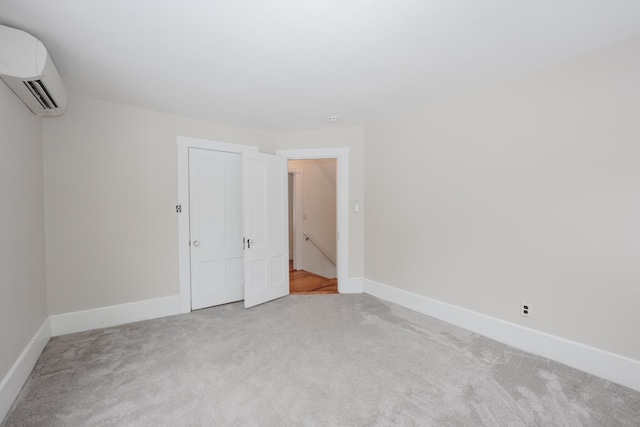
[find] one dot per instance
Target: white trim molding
(207, 144)
(298, 237)
(184, 143)
(341, 154)
(610, 366)
(19, 373)
(352, 286)
(114, 315)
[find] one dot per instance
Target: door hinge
(244, 241)
(179, 208)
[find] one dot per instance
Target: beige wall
(353, 138)
(110, 195)
(524, 191)
(23, 295)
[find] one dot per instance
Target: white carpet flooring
(325, 360)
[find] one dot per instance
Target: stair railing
(322, 251)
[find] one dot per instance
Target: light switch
(356, 205)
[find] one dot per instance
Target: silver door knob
(196, 243)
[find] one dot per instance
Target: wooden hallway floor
(303, 282)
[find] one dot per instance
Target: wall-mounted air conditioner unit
(27, 68)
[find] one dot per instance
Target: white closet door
(215, 202)
(266, 229)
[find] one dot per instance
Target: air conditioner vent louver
(28, 70)
(40, 92)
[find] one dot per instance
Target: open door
(266, 227)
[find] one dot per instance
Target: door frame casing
(341, 154)
(184, 143)
(298, 238)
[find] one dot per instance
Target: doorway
(313, 226)
(341, 157)
(341, 154)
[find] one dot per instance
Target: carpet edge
(610, 366)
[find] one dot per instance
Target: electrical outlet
(525, 309)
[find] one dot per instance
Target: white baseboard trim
(19, 373)
(353, 285)
(610, 366)
(104, 317)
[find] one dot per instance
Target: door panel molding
(215, 221)
(266, 225)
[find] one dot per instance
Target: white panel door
(215, 207)
(266, 227)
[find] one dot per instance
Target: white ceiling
(288, 64)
